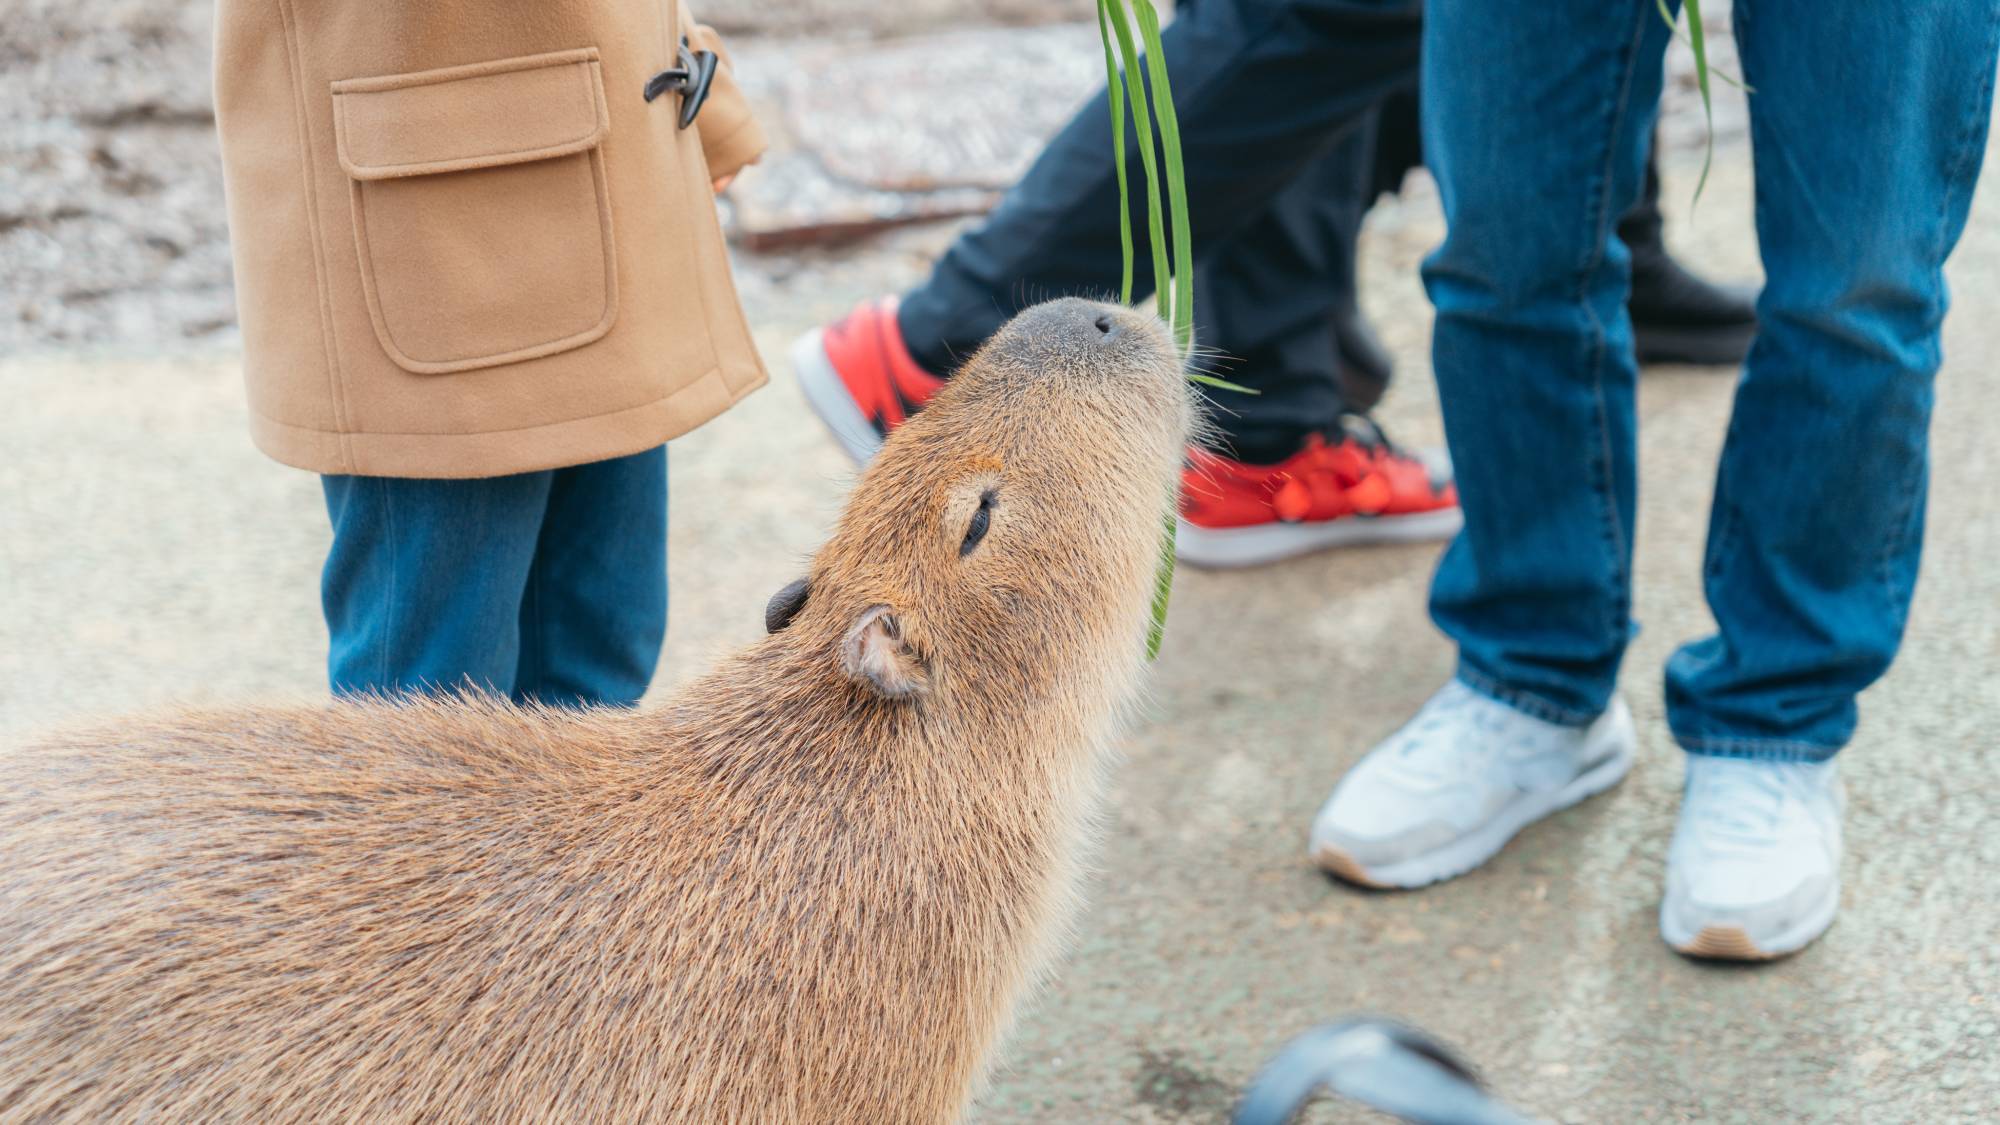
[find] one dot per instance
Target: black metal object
(1379, 1063)
(690, 79)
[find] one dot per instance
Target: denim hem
(1533, 706)
(1755, 749)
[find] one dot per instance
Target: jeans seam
(389, 598)
(1617, 623)
(1897, 595)
(530, 655)
(1727, 534)
(1534, 706)
(1727, 528)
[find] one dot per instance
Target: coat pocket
(481, 213)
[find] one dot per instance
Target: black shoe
(1362, 366)
(1680, 318)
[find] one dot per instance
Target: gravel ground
(112, 232)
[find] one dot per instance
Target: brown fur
(797, 892)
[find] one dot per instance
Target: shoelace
(1367, 432)
(1421, 749)
(1742, 802)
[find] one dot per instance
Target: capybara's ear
(785, 605)
(877, 654)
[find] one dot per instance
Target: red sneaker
(1356, 489)
(860, 378)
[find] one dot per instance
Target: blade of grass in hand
(1177, 308)
(1700, 44)
(1175, 304)
(1699, 41)
(1142, 122)
(1116, 94)
(1224, 384)
(1181, 308)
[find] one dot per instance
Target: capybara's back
(307, 910)
(809, 888)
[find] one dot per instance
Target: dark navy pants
(1266, 91)
(1295, 115)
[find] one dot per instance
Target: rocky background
(112, 232)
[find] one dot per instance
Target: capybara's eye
(981, 520)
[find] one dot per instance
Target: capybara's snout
(1090, 336)
(1093, 366)
(1073, 320)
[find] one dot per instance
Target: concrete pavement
(149, 555)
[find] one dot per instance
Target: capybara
(810, 887)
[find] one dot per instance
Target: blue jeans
(1867, 125)
(546, 587)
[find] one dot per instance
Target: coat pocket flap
(509, 111)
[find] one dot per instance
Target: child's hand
(722, 183)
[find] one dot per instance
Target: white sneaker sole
(1483, 843)
(1728, 941)
(830, 398)
(1228, 548)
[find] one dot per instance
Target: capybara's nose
(1070, 320)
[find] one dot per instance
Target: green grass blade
(1173, 280)
(1163, 588)
(1142, 121)
(1732, 79)
(1700, 43)
(1698, 39)
(1179, 305)
(1116, 94)
(1181, 309)
(1212, 381)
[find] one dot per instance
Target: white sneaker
(1754, 869)
(1445, 793)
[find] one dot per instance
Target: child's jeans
(545, 587)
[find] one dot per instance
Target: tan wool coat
(465, 243)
